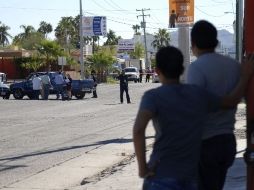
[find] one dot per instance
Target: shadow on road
(99, 143)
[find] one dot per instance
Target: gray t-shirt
(218, 74)
(179, 112)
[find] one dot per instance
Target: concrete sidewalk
(126, 176)
(110, 167)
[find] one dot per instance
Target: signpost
(126, 44)
(249, 48)
(94, 26)
(62, 61)
(183, 17)
(184, 9)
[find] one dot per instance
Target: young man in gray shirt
(217, 74)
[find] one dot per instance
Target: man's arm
(247, 68)
(140, 125)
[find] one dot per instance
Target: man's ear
(157, 71)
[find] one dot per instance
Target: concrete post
(184, 46)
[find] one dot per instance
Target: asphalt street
(81, 144)
(37, 136)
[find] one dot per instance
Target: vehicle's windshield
(130, 70)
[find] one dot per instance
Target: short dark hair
(169, 60)
(204, 35)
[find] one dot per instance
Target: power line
(208, 14)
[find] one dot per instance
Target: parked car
(4, 91)
(132, 73)
(25, 88)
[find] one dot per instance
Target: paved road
(39, 135)
(54, 144)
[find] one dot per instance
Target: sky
(121, 15)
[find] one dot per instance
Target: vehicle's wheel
(7, 96)
(30, 97)
(80, 95)
(18, 94)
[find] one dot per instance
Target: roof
(14, 53)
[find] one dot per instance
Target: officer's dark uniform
(124, 87)
(95, 86)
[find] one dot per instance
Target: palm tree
(45, 28)
(161, 39)
(136, 29)
(49, 50)
(111, 38)
(66, 28)
(27, 31)
(4, 34)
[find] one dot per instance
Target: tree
(45, 28)
(32, 41)
(4, 34)
(161, 39)
(112, 39)
(33, 63)
(49, 50)
(67, 30)
(101, 61)
(136, 29)
(24, 36)
(27, 31)
(139, 51)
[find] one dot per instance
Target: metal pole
(62, 63)
(143, 25)
(240, 32)
(184, 46)
(82, 66)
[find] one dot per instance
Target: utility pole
(238, 29)
(143, 25)
(82, 67)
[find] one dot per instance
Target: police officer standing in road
(124, 87)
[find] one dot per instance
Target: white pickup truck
(132, 73)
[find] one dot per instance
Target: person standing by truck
(148, 74)
(68, 82)
(140, 75)
(59, 81)
(46, 84)
(37, 86)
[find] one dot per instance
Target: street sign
(183, 10)
(62, 61)
(126, 44)
(94, 26)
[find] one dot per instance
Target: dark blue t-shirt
(179, 112)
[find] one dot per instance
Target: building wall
(8, 67)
